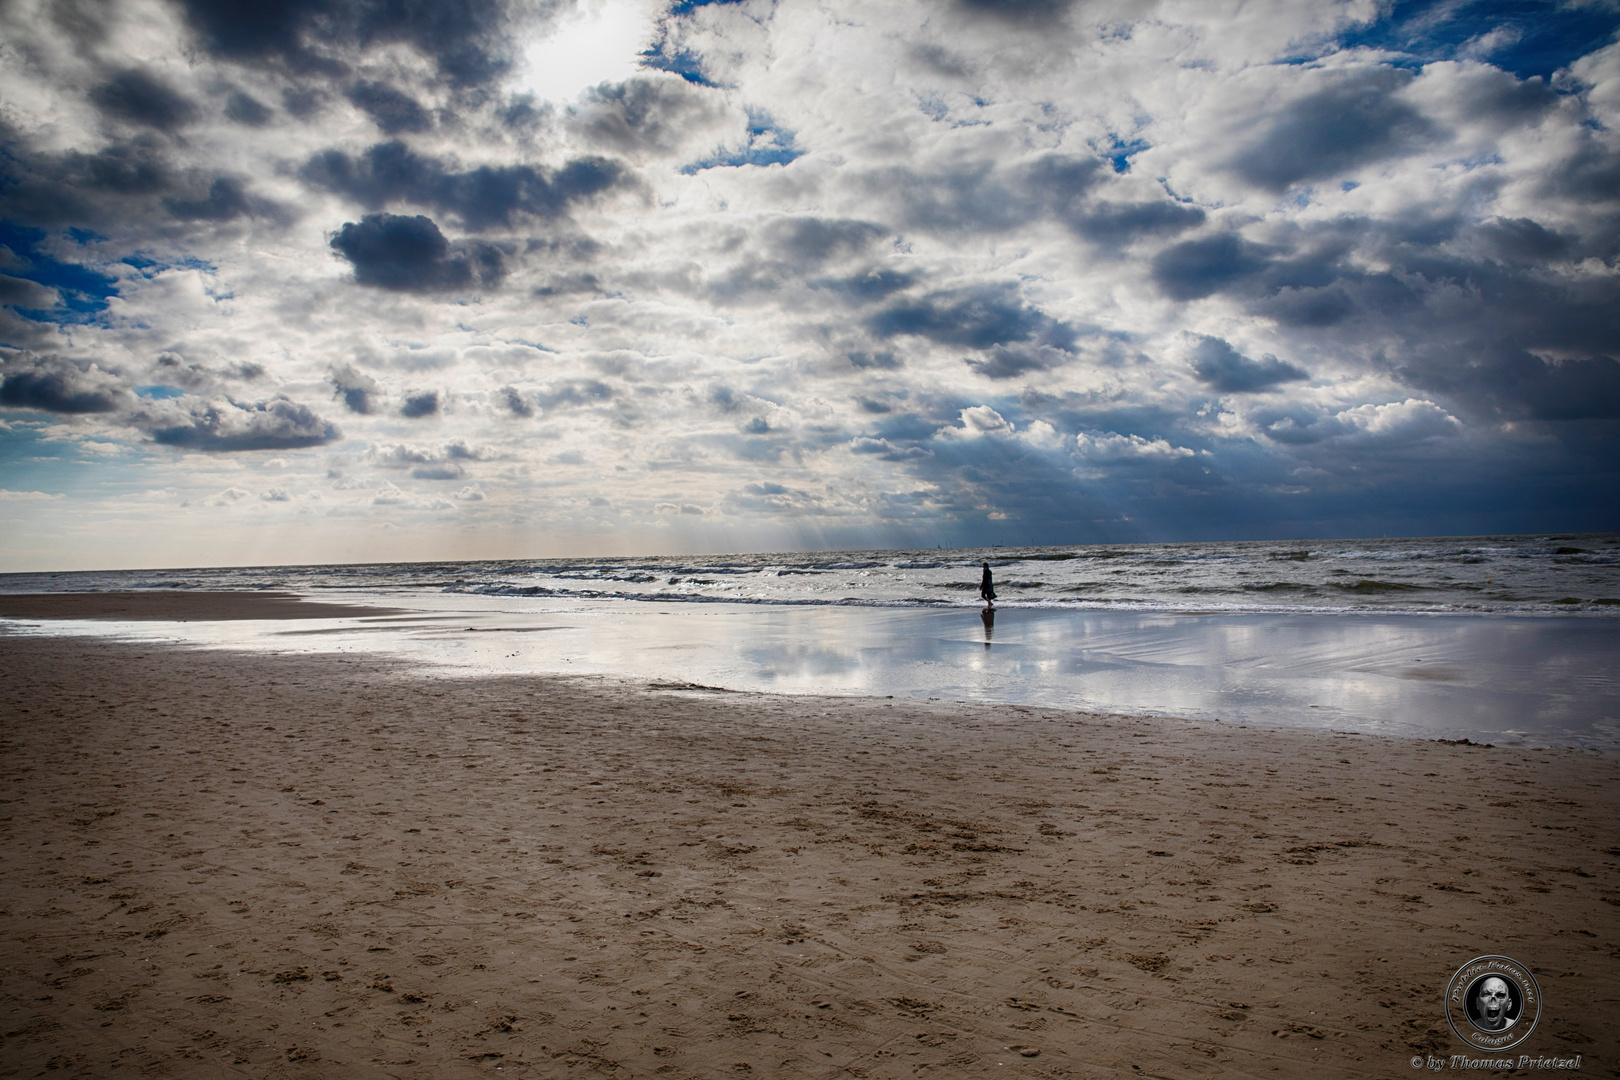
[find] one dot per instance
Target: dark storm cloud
(1501, 378)
(942, 61)
(1067, 186)
(21, 293)
(416, 406)
(106, 187)
(1592, 172)
(464, 38)
(1118, 224)
(226, 426)
(1011, 361)
(1497, 94)
(1297, 426)
(782, 250)
(1305, 307)
(53, 384)
(136, 167)
(227, 198)
(868, 287)
(573, 392)
(139, 97)
(85, 21)
(173, 369)
(1354, 120)
(410, 254)
(303, 101)
(481, 198)
(1035, 14)
(1579, 389)
(979, 197)
(1494, 318)
(1194, 269)
(884, 361)
(814, 240)
(390, 109)
(357, 389)
(980, 317)
(246, 109)
(1524, 240)
(1222, 367)
(515, 402)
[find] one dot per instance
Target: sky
(372, 280)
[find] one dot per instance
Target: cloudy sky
(338, 280)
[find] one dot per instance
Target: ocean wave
(1482, 576)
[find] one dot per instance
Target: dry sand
(221, 864)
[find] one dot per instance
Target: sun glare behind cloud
(600, 42)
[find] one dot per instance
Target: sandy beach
(220, 864)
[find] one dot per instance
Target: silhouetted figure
(987, 588)
(988, 615)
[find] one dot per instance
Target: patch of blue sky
(159, 392)
(682, 62)
(768, 144)
(686, 7)
(84, 292)
(933, 106)
(1525, 37)
(1164, 182)
(1119, 151)
(34, 461)
(150, 267)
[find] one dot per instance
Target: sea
(1511, 640)
(1564, 575)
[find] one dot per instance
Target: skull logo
(1493, 1002)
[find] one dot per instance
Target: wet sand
(222, 863)
(179, 607)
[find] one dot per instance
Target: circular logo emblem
(1493, 1003)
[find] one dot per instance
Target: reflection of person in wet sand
(987, 588)
(989, 617)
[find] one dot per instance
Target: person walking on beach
(987, 588)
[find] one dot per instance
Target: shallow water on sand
(1505, 680)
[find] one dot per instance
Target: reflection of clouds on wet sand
(1538, 680)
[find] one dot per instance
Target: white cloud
(229, 497)
(1112, 446)
(978, 421)
(1402, 421)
